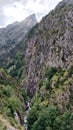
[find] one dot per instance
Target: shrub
(32, 117)
(50, 72)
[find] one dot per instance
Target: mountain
(42, 64)
(48, 44)
(14, 33)
(12, 96)
(50, 73)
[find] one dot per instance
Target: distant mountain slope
(14, 33)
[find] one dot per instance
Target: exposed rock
(50, 44)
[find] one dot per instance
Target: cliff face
(14, 33)
(65, 2)
(53, 38)
(50, 70)
(49, 43)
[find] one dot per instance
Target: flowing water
(26, 113)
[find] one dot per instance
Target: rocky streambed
(26, 113)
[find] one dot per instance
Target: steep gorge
(43, 64)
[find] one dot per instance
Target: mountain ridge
(14, 33)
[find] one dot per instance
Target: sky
(18, 10)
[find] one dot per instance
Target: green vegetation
(15, 66)
(14, 62)
(11, 99)
(52, 105)
(2, 127)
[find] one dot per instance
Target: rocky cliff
(48, 43)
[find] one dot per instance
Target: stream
(26, 113)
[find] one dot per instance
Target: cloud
(17, 10)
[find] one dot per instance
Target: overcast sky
(17, 10)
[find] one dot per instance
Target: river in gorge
(26, 113)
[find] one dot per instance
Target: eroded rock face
(67, 2)
(50, 44)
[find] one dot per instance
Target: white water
(26, 113)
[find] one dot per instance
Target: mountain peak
(32, 15)
(14, 33)
(31, 19)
